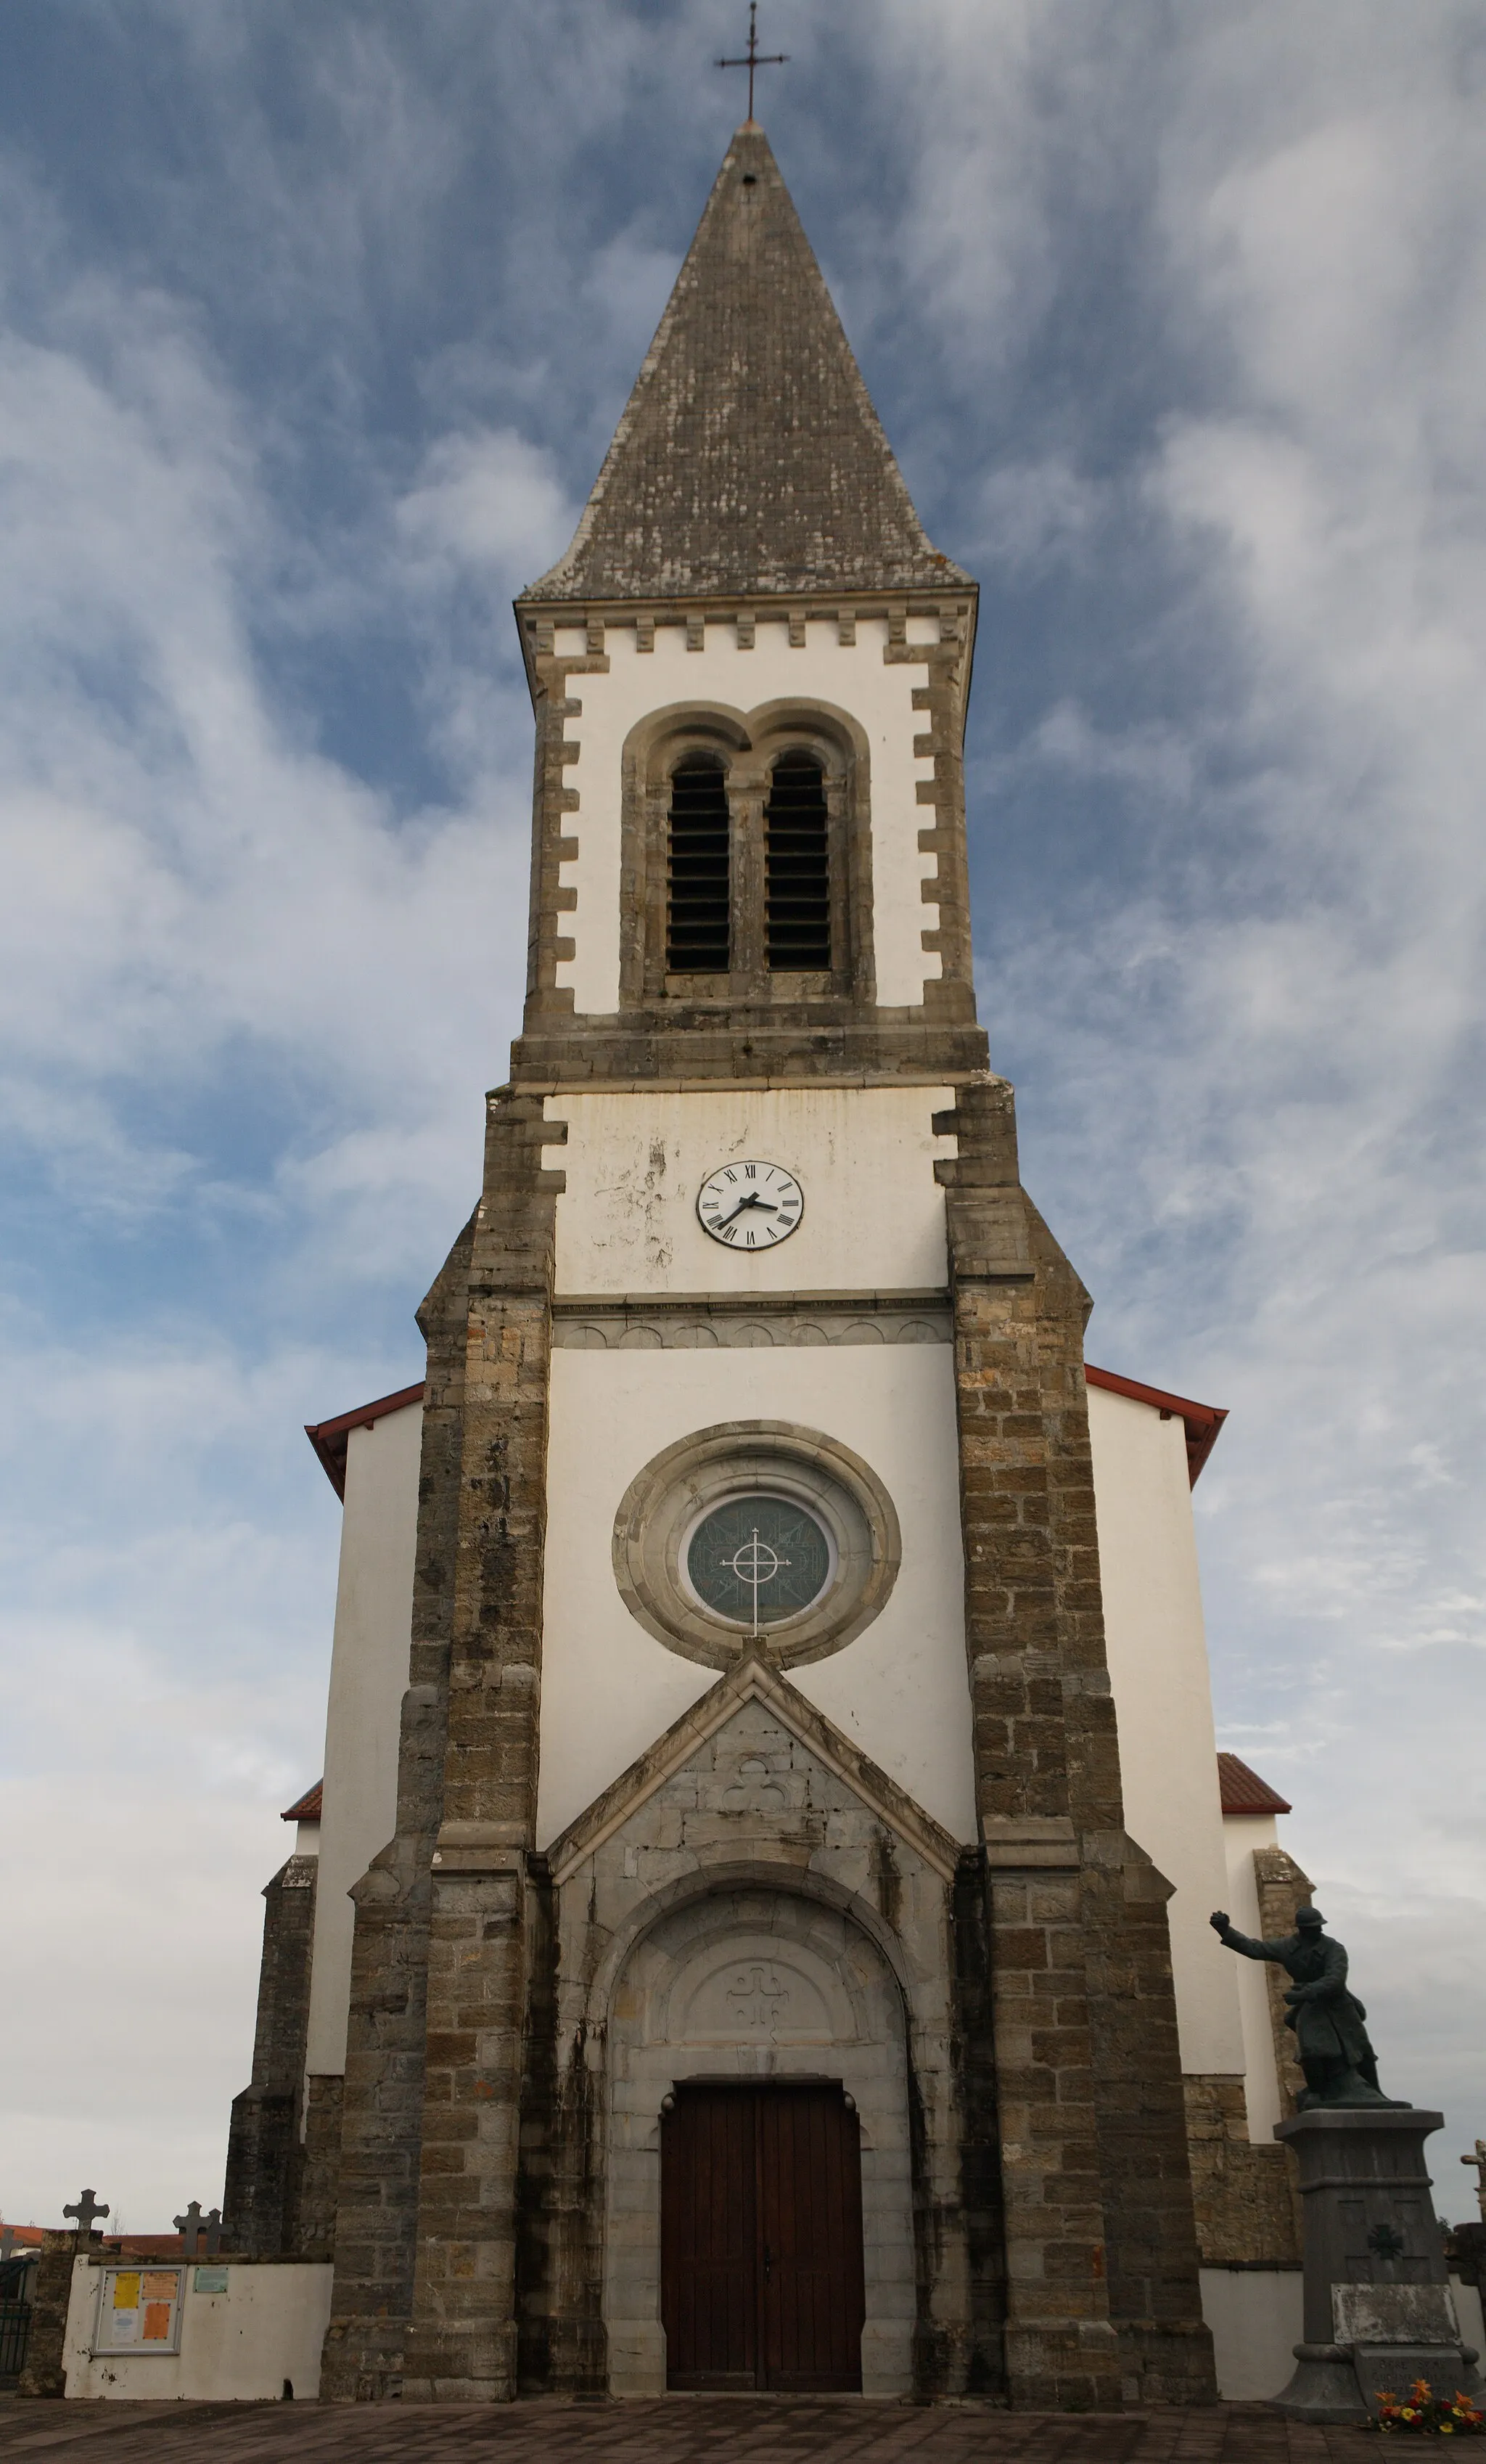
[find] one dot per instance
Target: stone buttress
(425, 2230)
(264, 2158)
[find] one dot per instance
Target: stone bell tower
(759, 1781)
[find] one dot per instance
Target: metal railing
(14, 2335)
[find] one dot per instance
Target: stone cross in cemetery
(1478, 2162)
(201, 2235)
(84, 2212)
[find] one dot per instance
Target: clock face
(750, 1206)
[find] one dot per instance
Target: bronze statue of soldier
(1330, 2024)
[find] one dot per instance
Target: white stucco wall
(1242, 1833)
(609, 1689)
(1258, 2317)
(850, 676)
(1158, 1670)
(1471, 2312)
(873, 1219)
(368, 1678)
(236, 2347)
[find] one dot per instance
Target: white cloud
(488, 502)
(1034, 513)
(165, 1649)
(1249, 1064)
(1157, 760)
(187, 870)
(190, 880)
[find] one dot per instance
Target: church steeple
(748, 459)
(750, 673)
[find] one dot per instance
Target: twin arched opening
(796, 925)
(747, 856)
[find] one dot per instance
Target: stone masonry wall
(1243, 2195)
(1145, 2160)
(977, 2107)
(1103, 2298)
(320, 2166)
(380, 2136)
(1248, 2199)
(46, 2367)
(463, 2340)
(423, 2300)
(263, 2158)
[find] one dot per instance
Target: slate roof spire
(749, 459)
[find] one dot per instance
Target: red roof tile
(145, 2245)
(306, 1808)
(1202, 1421)
(330, 1438)
(1243, 1791)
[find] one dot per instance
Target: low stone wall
(260, 2337)
(44, 2373)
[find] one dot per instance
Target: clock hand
(751, 1199)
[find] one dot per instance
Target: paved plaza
(674, 2430)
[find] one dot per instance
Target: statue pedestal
(1379, 2312)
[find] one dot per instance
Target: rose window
(757, 1560)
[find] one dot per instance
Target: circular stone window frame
(664, 1504)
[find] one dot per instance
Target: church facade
(751, 1932)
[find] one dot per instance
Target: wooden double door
(761, 2280)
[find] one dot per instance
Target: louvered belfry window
(797, 867)
(698, 934)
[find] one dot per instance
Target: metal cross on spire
(753, 59)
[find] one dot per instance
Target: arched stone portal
(756, 1982)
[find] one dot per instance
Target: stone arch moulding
(749, 742)
(664, 1499)
(755, 1981)
(752, 1799)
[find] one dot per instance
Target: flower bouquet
(1423, 2414)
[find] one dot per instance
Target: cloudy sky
(315, 323)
